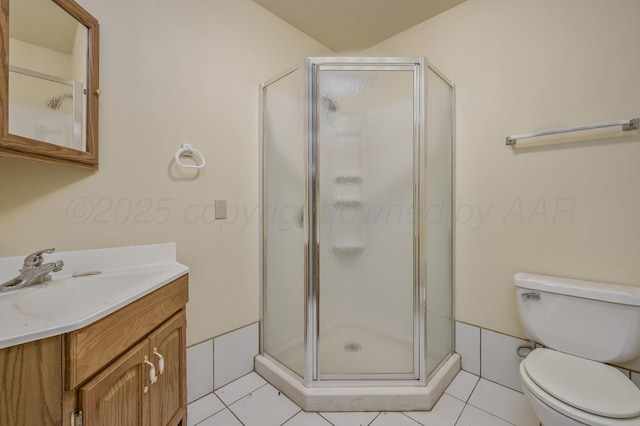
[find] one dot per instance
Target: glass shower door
(283, 238)
(366, 145)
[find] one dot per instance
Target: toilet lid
(587, 385)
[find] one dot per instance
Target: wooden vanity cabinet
(168, 396)
(115, 396)
(31, 383)
(153, 399)
(103, 371)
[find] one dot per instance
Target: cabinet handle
(160, 361)
(152, 373)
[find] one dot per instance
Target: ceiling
(341, 25)
(352, 25)
(42, 23)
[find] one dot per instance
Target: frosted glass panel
(439, 220)
(366, 172)
(45, 110)
(357, 221)
(283, 237)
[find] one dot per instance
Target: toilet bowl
(583, 324)
(565, 391)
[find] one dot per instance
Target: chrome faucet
(33, 271)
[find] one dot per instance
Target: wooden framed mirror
(49, 82)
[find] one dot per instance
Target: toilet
(582, 325)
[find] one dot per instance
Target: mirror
(49, 82)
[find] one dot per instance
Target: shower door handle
(300, 217)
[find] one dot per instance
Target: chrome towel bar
(630, 124)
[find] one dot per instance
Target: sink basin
(67, 303)
(71, 293)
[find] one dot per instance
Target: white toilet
(583, 325)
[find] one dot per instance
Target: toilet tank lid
(614, 293)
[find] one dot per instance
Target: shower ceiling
(351, 25)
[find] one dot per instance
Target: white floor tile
(503, 402)
(393, 419)
(636, 378)
(472, 416)
(252, 401)
(202, 408)
(350, 419)
(264, 407)
(223, 418)
(307, 419)
(239, 388)
(462, 385)
(445, 413)
(199, 370)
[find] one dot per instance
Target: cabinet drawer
(91, 348)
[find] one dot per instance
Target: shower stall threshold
(361, 398)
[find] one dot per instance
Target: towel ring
(187, 150)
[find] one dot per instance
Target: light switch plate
(221, 209)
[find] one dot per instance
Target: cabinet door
(116, 396)
(31, 383)
(167, 396)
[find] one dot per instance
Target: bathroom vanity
(121, 362)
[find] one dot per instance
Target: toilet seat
(587, 385)
(583, 390)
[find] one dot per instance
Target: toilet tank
(591, 320)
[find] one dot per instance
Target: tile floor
(468, 401)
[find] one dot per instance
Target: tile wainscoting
(215, 363)
(492, 355)
(221, 360)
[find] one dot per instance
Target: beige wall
(171, 73)
(569, 210)
(187, 72)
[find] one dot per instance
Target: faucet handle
(35, 259)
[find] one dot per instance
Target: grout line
(417, 422)
(488, 412)
(460, 415)
(497, 417)
(213, 366)
(326, 419)
(236, 400)
(491, 414)
(504, 386)
(466, 403)
(243, 396)
(228, 407)
(374, 419)
(480, 352)
(473, 390)
(458, 399)
(217, 412)
(296, 413)
(234, 415)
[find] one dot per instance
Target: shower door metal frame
(452, 225)
(312, 374)
(262, 227)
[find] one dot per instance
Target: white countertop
(66, 303)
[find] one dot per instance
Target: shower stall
(357, 234)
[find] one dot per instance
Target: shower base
(361, 398)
